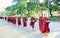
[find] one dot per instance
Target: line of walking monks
(42, 21)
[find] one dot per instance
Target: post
(49, 8)
(17, 19)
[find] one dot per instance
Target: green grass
(53, 19)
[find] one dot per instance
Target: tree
(21, 5)
(51, 6)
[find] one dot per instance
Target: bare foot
(33, 29)
(18, 26)
(24, 27)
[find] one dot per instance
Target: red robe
(5, 18)
(12, 20)
(24, 22)
(1, 17)
(45, 27)
(19, 21)
(32, 22)
(40, 23)
(8, 19)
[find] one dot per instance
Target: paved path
(8, 30)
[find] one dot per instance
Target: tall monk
(24, 21)
(32, 22)
(40, 20)
(45, 27)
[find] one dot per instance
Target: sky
(5, 3)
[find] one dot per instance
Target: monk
(24, 21)
(40, 20)
(45, 26)
(19, 21)
(32, 22)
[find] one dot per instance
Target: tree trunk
(50, 10)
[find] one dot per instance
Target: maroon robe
(19, 21)
(24, 22)
(45, 27)
(8, 19)
(5, 18)
(32, 22)
(1, 17)
(12, 20)
(40, 23)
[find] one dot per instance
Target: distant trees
(28, 8)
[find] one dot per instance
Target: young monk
(40, 22)
(46, 22)
(24, 21)
(32, 22)
(19, 20)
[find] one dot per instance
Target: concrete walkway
(9, 30)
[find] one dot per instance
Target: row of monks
(42, 21)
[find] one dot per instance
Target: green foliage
(31, 6)
(53, 7)
(8, 8)
(52, 19)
